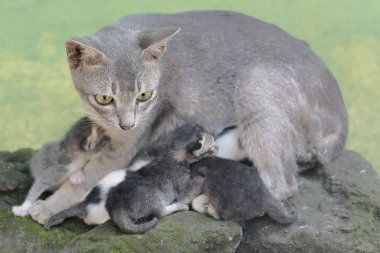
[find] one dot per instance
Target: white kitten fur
(97, 213)
(228, 145)
(138, 164)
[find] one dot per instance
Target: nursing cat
(63, 160)
(160, 187)
(142, 77)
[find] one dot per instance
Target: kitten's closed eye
(193, 146)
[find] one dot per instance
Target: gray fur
(221, 69)
(79, 210)
(56, 161)
(159, 188)
(235, 192)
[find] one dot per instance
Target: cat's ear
(154, 42)
(80, 54)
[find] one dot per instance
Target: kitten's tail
(79, 210)
(124, 222)
(277, 211)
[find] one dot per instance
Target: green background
(38, 102)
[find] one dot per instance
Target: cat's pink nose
(127, 127)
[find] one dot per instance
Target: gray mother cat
(219, 69)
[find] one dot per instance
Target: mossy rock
(339, 211)
(14, 170)
(25, 235)
(181, 232)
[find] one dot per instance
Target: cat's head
(116, 72)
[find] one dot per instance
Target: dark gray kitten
(60, 160)
(234, 191)
(159, 188)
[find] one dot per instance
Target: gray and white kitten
(60, 160)
(142, 77)
(161, 187)
(234, 191)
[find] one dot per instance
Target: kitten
(234, 191)
(142, 77)
(60, 160)
(162, 186)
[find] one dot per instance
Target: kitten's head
(191, 143)
(116, 72)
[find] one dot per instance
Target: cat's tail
(278, 212)
(78, 210)
(126, 224)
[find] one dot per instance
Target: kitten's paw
(39, 212)
(182, 207)
(200, 203)
(89, 143)
(77, 178)
(21, 211)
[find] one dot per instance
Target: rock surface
(180, 232)
(339, 208)
(339, 211)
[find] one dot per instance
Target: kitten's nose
(126, 127)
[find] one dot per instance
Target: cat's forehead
(126, 75)
(122, 70)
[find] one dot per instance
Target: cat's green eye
(145, 96)
(103, 99)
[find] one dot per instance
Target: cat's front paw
(21, 211)
(39, 212)
(77, 178)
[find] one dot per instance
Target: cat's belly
(213, 115)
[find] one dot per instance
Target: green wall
(38, 102)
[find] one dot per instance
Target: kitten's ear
(80, 54)
(153, 42)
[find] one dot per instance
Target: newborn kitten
(160, 187)
(234, 191)
(58, 161)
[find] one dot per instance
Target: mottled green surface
(181, 232)
(185, 232)
(38, 102)
(338, 207)
(20, 235)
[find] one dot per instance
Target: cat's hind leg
(265, 107)
(35, 191)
